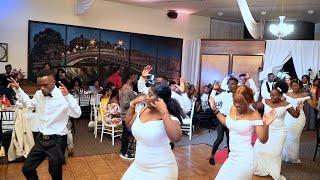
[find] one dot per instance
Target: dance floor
(192, 162)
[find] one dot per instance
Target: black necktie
(49, 95)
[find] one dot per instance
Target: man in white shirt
(205, 98)
(182, 99)
(266, 87)
(246, 80)
(223, 102)
(53, 108)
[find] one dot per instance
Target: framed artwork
(92, 53)
(3, 52)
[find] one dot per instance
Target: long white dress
(294, 130)
(240, 163)
(268, 156)
(154, 158)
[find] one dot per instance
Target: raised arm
(262, 131)
(131, 113)
(142, 80)
(21, 95)
(73, 105)
(313, 102)
(216, 111)
(172, 127)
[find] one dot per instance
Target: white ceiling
(292, 9)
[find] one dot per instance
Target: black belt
(48, 137)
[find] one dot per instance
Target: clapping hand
(63, 89)
(269, 117)
(146, 71)
(300, 106)
(13, 83)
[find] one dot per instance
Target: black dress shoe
(211, 161)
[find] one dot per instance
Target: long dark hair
(164, 92)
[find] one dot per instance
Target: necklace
(235, 116)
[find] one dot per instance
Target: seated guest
(47, 66)
(115, 78)
(63, 78)
(4, 83)
(192, 93)
(204, 99)
(95, 87)
(76, 86)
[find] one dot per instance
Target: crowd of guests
(275, 112)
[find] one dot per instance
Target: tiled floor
(192, 162)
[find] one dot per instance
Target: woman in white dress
(294, 125)
(268, 156)
(242, 121)
(154, 125)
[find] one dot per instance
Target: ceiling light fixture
(282, 29)
(263, 13)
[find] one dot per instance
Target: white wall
(14, 16)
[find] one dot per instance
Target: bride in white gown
(268, 156)
(242, 121)
(153, 126)
(294, 125)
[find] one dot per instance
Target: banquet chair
(110, 125)
(94, 101)
(84, 103)
(8, 119)
(187, 125)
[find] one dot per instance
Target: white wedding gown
(268, 156)
(294, 127)
(240, 163)
(154, 158)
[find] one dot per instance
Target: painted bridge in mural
(120, 57)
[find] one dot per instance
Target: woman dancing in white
(295, 125)
(268, 156)
(154, 126)
(242, 121)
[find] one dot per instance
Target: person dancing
(294, 125)
(223, 102)
(242, 121)
(268, 156)
(154, 124)
(53, 108)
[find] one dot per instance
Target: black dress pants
(220, 134)
(124, 139)
(52, 148)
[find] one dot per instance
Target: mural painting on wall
(90, 53)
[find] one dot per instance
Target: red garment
(318, 92)
(115, 79)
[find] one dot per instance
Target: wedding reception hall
(160, 89)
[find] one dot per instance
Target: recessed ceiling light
(220, 13)
(310, 11)
(263, 12)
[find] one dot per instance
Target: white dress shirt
(182, 99)
(224, 101)
(52, 112)
(204, 101)
(264, 90)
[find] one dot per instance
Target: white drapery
(254, 28)
(191, 61)
(226, 30)
(305, 55)
(82, 6)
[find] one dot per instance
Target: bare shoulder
(255, 115)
